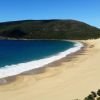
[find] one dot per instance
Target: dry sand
(67, 81)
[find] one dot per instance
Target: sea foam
(11, 70)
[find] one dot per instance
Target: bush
(90, 97)
(94, 94)
(98, 92)
(98, 98)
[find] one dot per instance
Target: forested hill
(48, 29)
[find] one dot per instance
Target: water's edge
(22, 67)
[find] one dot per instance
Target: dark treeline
(48, 29)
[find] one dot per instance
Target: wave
(11, 70)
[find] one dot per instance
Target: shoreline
(67, 58)
(72, 77)
(23, 67)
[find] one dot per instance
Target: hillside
(48, 29)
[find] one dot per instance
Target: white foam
(22, 67)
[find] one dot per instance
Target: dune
(67, 80)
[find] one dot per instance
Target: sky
(83, 10)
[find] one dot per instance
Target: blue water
(21, 51)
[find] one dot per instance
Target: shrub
(94, 94)
(89, 97)
(98, 92)
(98, 98)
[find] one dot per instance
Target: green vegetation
(98, 92)
(92, 96)
(48, 29)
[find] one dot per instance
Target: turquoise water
(13, 52)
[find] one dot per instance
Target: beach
(67, 79)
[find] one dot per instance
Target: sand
(68, 80)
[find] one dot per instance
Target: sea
(18, 56)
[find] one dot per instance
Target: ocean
(17, 56)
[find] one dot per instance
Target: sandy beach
(68, 79)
